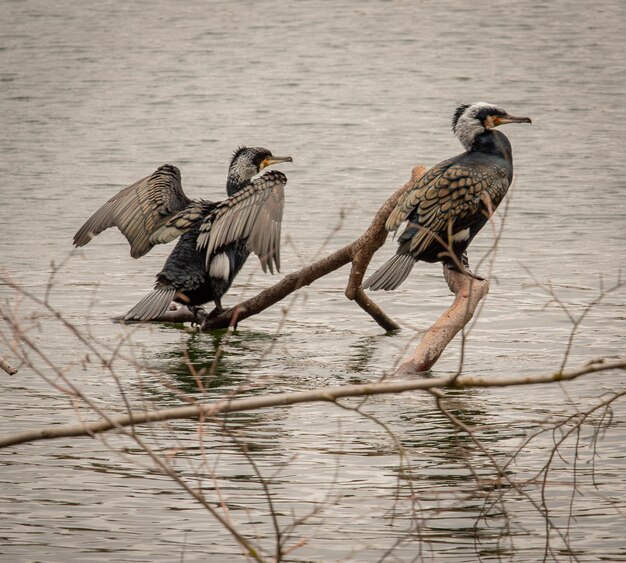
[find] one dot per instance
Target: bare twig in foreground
(328, 394)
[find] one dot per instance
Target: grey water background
(95, 95)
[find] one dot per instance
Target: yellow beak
(504, 119)
(275, 160)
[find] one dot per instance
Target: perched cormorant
(216, 238)
(453, 200)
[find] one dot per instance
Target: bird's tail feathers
(391, 274)
(152, 306)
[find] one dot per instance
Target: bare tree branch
(364, 248)
(290, 283)
(328, 394)
(469, 292)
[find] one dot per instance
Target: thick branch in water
(468, 293)
(366, 246)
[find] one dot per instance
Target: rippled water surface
(95, 95)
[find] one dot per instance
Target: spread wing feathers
(446, 200)
(139, 211)
(391, 274)
(182, 222)
(264, 238)
(255, 213)
(152, 306)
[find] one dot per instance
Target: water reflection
(203, 361)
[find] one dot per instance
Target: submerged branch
(468, 291)
(329, 394)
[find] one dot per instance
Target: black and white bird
(216, 238)
(452, 201)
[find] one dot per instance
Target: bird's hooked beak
(275, 160)
(504, 119)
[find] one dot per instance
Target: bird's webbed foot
(219, 309)
(214, 313)
(462, 266)
(199, 314)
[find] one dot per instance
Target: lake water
(95, 95)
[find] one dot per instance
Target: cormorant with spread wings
(216, 238)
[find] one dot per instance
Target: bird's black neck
(235, 183)
(493, 142)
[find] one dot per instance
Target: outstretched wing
(254, 213)
(447, 199)
(182, 222)
(140, 211)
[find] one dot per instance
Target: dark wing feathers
(140, 211)
(254, 213)
(446, 200)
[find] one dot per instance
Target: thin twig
(328, 394)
